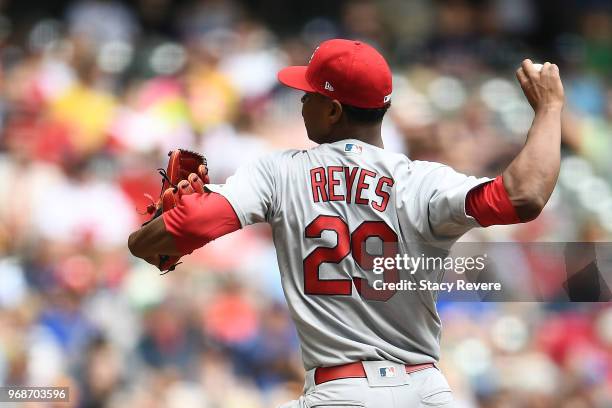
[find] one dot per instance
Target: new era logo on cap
(360, 75)
(387, 372)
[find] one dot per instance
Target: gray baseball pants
(425, 388)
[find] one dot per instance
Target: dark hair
(363, 115)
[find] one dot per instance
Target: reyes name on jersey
(332, 209)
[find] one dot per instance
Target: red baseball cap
(351, 72)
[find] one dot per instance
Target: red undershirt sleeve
(199, 219)
(489, 204)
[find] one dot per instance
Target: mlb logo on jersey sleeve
(353, 148)
(387, 372)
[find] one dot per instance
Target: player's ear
(335, 112)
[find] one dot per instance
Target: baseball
(538, 67)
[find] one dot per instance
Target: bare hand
(194, 183)
(543, 89)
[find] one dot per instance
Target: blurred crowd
(94, 93)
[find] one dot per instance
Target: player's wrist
(549, 108)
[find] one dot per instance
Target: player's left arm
(197, 219)
(152, 240)
(204, 213)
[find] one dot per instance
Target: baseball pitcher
(337, 206)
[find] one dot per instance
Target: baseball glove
(186, 173)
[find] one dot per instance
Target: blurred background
(94, 93)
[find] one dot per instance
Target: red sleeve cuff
(489, 204)
(200, 218)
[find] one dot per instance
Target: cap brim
(295, 77)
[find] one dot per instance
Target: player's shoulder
(416, 172)
(276, 162)
(425, 166)
(434, 173)
(279, 156)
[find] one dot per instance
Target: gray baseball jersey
(332, 209)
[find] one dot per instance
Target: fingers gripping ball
(186, 173)
(541, 84)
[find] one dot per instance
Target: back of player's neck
(374, 140)
(370, 135)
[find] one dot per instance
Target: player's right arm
(530, 178)
(453, 202)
